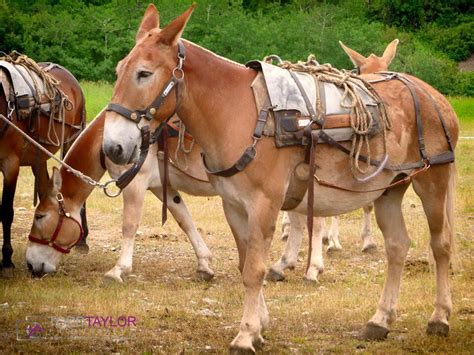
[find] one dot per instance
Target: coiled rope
(361, 119)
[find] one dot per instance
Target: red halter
(62, 213)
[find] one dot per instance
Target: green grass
(97, 94)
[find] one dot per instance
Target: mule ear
(390, 52)
(172, 33)
(356, 58)
(56, 182)
(151, 20)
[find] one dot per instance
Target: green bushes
(90, 36)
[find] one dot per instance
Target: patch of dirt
(467, 65)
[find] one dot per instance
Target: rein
(52, 241)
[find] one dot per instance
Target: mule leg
(368, 242)
(296, 223)
(316, 265)
(261, 226)
(180, 212)
(133, 197)
(285, 226)
(333, 235)
(11, 168)
(435, 189)
(388, 211)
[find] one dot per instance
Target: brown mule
(16, 151)
(214, 99)
(372, 63)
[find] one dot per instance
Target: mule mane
(214, 54)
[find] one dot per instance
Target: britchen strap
(249, 154)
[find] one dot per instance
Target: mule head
(372, 63)
(42, 254)
(142, 77)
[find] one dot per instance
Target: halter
(52, 242)
(148, 113)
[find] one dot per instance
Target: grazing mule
(293, 223)
(214, 99)
(85, 156)
(16, 151)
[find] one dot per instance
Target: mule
(293, 224)
(213, 98)
(85, 156)
(16, 151)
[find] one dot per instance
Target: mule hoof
(311, 279)
(82, 248)
(332, 249)
(259, 342)
(437, 328)
(239, 350)
(274, 276)
(369, 248)
(203, 275)
(7, 272)
(111, 278)
(373, 331)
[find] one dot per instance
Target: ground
(176, 313)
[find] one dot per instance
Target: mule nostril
(118, 150)
(30, 267)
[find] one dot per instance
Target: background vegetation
(90, 36)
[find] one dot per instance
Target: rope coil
(361, 119)
(51, 90)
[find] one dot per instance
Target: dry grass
(177, 313)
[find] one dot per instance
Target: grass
(97, 94)
(177, 313)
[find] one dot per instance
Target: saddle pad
(23, 82)
(285, 95)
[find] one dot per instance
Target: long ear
(390, 52)
(55, 183)
(171, 33)
(356, 58)
(151, 20)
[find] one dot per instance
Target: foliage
(90, 36)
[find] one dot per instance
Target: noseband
(52, 242)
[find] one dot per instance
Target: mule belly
(331, 202)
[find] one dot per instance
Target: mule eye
(143, 74)
(39, 216)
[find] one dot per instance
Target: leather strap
(164, 174)
(249, 154)
(128, 175)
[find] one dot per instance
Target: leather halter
(52, 242)
(148, 113)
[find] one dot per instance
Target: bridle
(52, 242)
(148, 114)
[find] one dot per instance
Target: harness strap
(250, 153)
(164, 173)
(128, 175)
